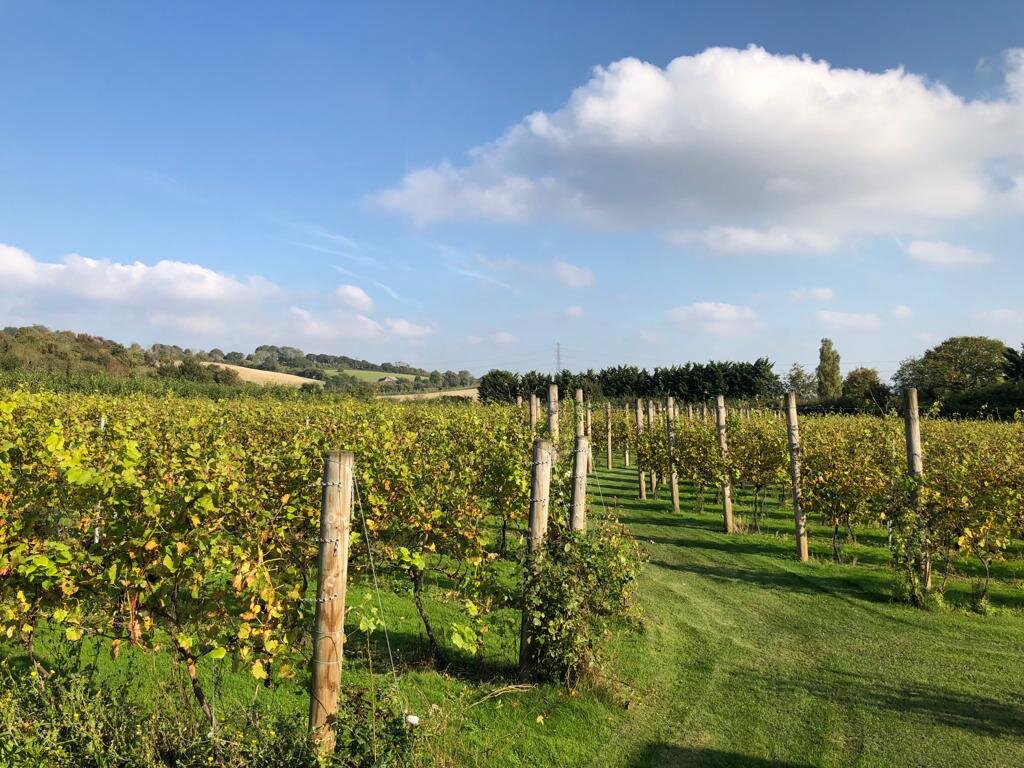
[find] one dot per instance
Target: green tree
(958, 364)
(830, 381)
(1014, 365)
(865, 385)
(801, 381)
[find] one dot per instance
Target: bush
(579, 586)
(73, 720)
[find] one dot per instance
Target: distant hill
(38, 350)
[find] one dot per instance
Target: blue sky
(462, 184)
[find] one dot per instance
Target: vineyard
(191, 528)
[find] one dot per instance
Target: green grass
(746, 658)
(371, 377)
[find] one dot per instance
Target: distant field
(470, 392)
(268, 377)
(369, 376)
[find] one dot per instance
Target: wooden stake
(799, 517)
(540, 492)
(580, 426)
(670, 436)
(578, 500)
(534, 412)
(608, 434)
(332, 575)
(915, 468)
(642, 475)
(553, 419)
(723, 446)
(590, 441)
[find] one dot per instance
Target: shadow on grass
(411, 650)
(938, 705)
(866, 587)
(732, 545)
(660, 755)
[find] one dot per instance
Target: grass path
(750, 658)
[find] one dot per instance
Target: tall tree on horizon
(830, 382)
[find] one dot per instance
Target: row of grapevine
(194, 523)
(969, 501)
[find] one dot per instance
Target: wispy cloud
(812, 294)
(479, 277)
(936, 253)
(386, 288)
(849, 321)
(357, 258)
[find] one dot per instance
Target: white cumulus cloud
(406, 329)
(717, 318)
(104, 280)
(743, 151)
(355, 297)
(902, 312)
(740, 240)
(574, 311)
(572, 276)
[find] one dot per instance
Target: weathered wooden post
(670, 436)
(578, 408)
(642, 473)
(589, 434)
(553, 419)
(652, 421)
(608, 435)
(799, 517)
(534, 412)
(578, 500)
(915, 468)
(540, 488)
(723, 446)
(332, 575)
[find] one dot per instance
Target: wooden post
(519, 401)
(915, 468)
(723, 446)
(578, 414)
(553, 419)
(651, 423)
(540, 492)
(608, 434)
(332, 575)
(799, 518)
(588, 433)
(670, 436)
(578, 500)
(642, 475)
(689, 411)
(534, 412)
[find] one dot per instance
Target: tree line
(689, 382)
(963, 375)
